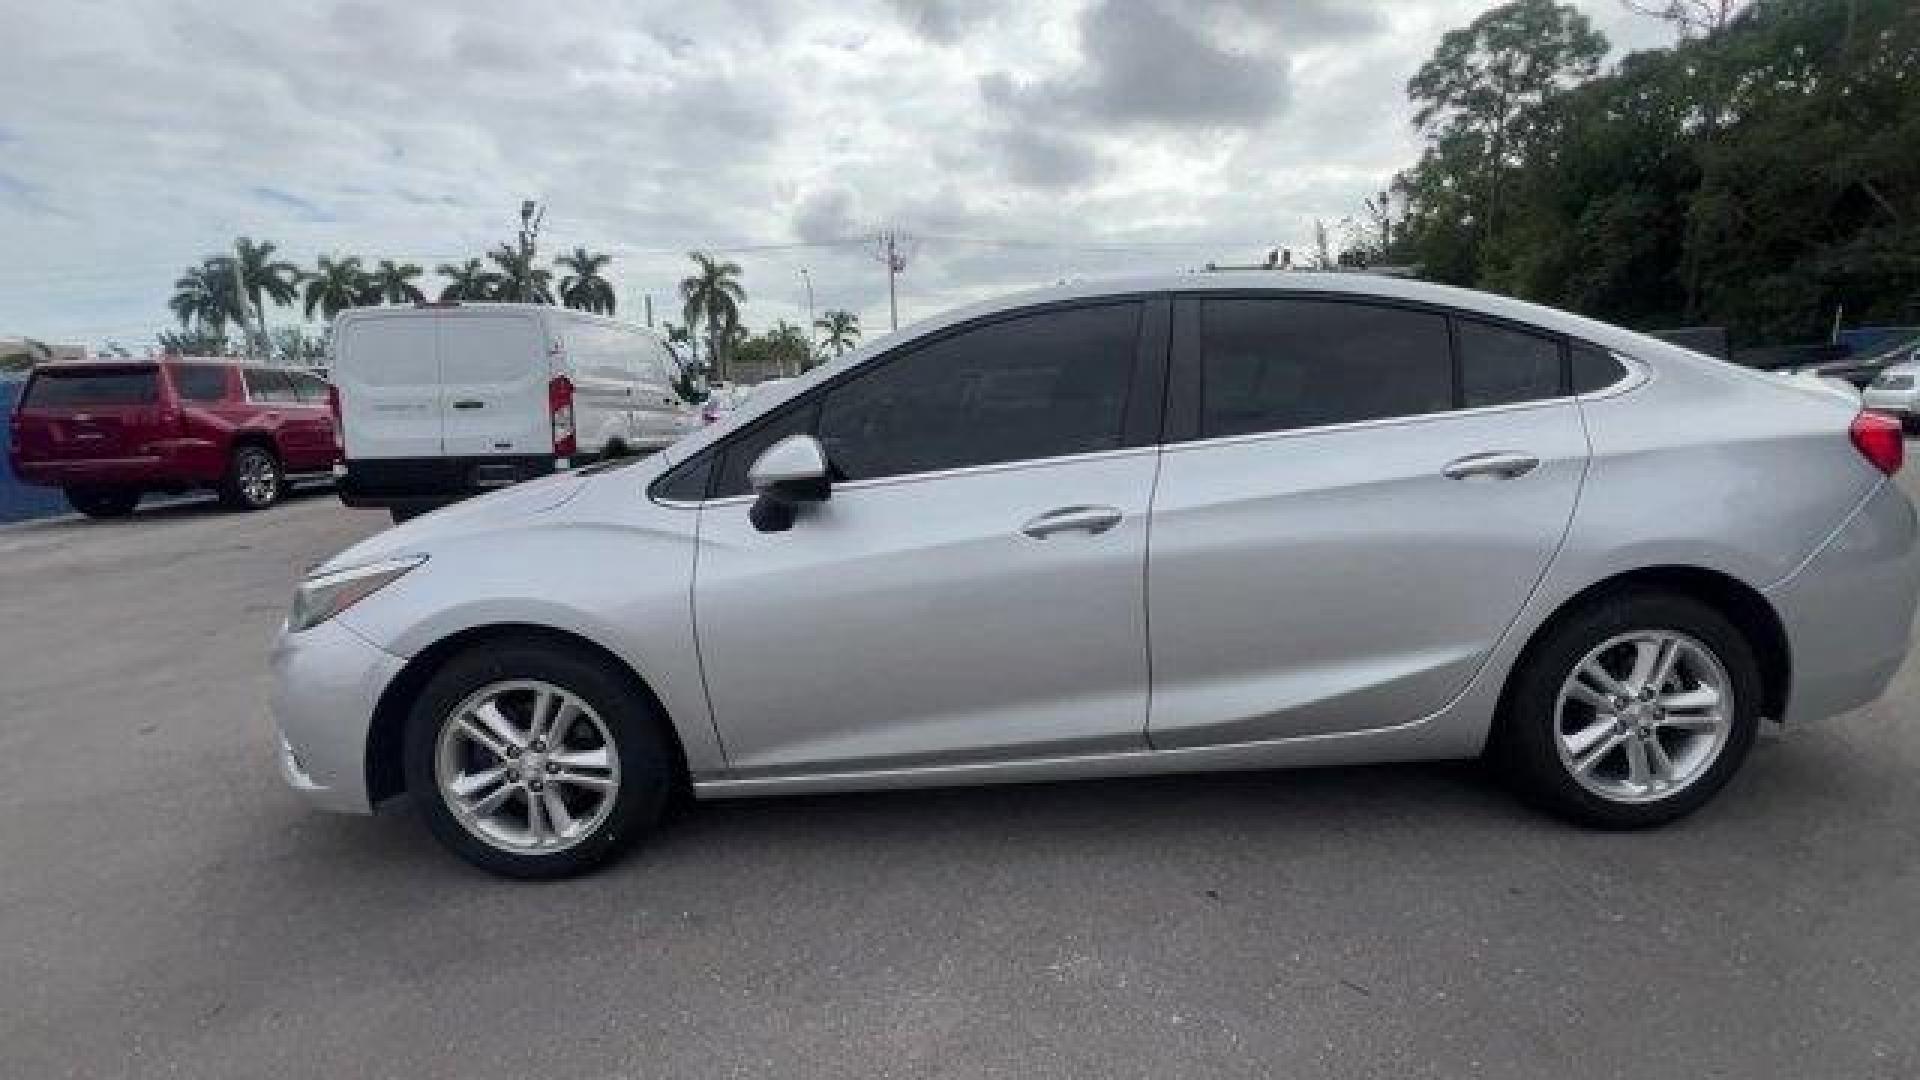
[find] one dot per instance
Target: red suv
(107, 432)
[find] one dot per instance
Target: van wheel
(254, 480)
(535, 761)
(1631, 713)
(103, 502)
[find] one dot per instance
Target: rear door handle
(469, 404)
(1092, 520)
(1491, 466)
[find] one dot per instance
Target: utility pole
(890, 247)
(648, 297)
(531, 214)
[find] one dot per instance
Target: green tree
(335, 285)
(392, 283)
(470, 280)
(204, 297)
(1478, 100)
(521, 279)
(712, 296)
(193, 343)
(265, 278)
(293, 345)
(584, 287)
(840, 329)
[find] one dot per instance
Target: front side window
(1041, 385)
(200, 382)
(1501, 366)
(1275, 364)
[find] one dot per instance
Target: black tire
(254, 479)
(1525, 745)
(103, 502)
(646, 760)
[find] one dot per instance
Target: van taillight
(1880, 440)
(333, 409)
(560, 407)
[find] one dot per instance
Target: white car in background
(1894, 391)
(438, 402)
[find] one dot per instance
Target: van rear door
(387, 368)
(494, 369)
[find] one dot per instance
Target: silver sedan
(1178, 524)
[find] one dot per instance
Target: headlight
(322, 597)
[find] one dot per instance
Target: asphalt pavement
(167, 908)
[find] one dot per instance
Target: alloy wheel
(527, 767)
(1643, 716)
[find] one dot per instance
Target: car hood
(501, 509)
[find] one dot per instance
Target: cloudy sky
(1017, 142)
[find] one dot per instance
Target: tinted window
(311, 388)
(687, 482)
(741, 451)
(76, 388)
(266, 385)
(200, 382)
(1499, 365)
(1034, 386)
(1594, 368)
(1275, 364)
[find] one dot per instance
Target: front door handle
(469, 404)
(1092, 520)
(1491, 466)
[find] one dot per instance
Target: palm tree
(842, 330)
(335, 285)
(584, 288)
(713, 296)
(680, 335)
(262, 276)
(203, 296)
(520, 279)
(468, 281)
(392, 283)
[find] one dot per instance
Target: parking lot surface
(167, 908)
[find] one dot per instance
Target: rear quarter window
(1594, 368)
(78, 388)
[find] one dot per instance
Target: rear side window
(1046, 384)
(1274, 364)
(1500, 365)
(267, 385)
(1594, 368)
(77, 388)
(199, 382)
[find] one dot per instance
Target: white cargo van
(437, 402)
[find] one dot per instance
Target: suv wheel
(535, 761)
(254, 480)
(103, 502)
(1633, 712)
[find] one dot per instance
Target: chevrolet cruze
(1184, 524)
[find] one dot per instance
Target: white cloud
(1020, 142)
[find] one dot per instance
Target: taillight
(1879, 439)
(560, 407)
(333, 409)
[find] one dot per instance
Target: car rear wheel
(1631, 713)
(534, 761)
(103, 502)
(254, 479)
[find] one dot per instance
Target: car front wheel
(1632, 712)
(533, 760)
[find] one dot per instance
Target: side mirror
(787, 474)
